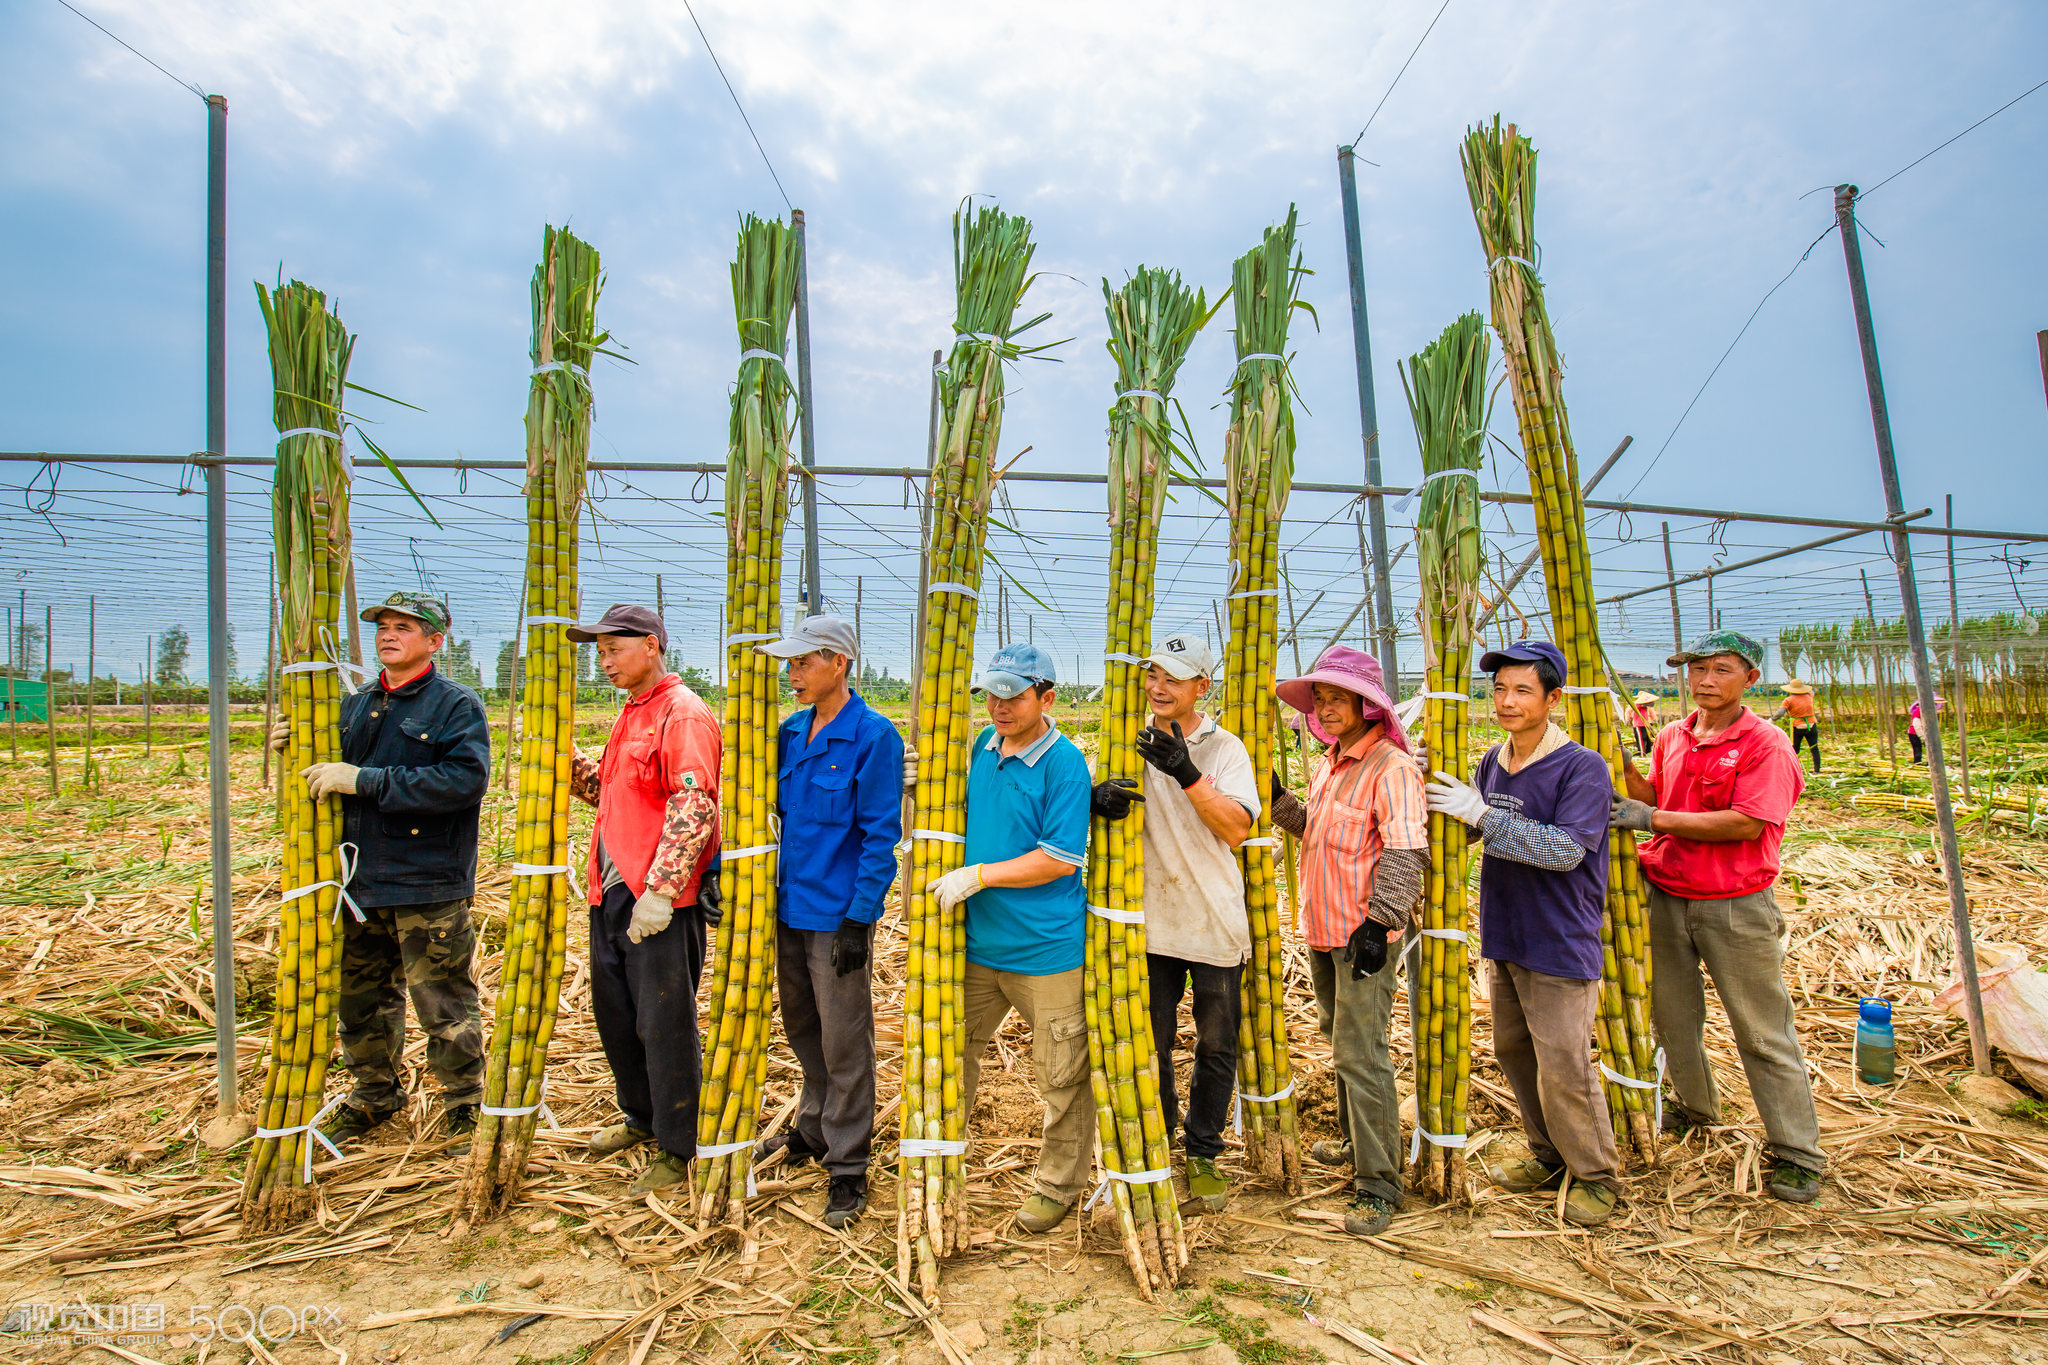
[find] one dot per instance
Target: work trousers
(1810, 736)
(427, 952)
(1353, 1016)
(644, 998)
(829, 1021)
(1052, 1006)
(1739, 941)
(1542, 1038)
(1218, 1007)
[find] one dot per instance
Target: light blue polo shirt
(1034, 799)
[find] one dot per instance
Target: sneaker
(791, 1146)
(1041, 1213)
(1368, 1216)
(459, 1125)
(665, 1170)
(1525, 1176)
(1207, 1184)
(1588, 1205)
(618, 1138)
(349, 1123)
(846, 1199)
(1331, 1152)
(1794, 1184)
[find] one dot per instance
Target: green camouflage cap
(423, 606)
(1743, 647)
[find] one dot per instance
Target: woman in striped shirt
(1364, 859)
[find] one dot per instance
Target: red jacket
(657, 777)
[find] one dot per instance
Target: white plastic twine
(286, 435)
(1588, 691)
(361, 673)
(915, 1148)
(1237, 1101)
(1259, 355)
(1633, 1084)
(547, 870)
(728, 1149)
(1120, 916)
(756, 353)
(733, 855)
(1423, 1135)
(345, 856)
(526, 621)
(749, 639)
(990, 337)
(1122, 659)
(1141, 393)
(959, 588)
(1518, 260)
(1448, 696)
(1412, 494)
(1129, 1178)
(312, 1127)
(1456, 935)
(942, 836)
(1252, 592)
(1263, 841)
(568, 365)
(540, 1106)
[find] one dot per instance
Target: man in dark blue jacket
(416, 760)
(839, 791)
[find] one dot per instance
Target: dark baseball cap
(622, 618)
(1525, 652)
(423, 607)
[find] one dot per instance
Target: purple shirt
(1548, 921)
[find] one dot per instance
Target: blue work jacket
(840, 796)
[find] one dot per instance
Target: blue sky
(405, 156)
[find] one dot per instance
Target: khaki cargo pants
(1052, 1006)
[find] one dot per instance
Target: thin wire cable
(718, 67)
(1399, 74)
(1965, 133)
(188, 85)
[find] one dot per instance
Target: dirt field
(1929, 1243)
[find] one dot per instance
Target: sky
(404, 157)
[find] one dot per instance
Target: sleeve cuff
(370, 783)
(1071, 859)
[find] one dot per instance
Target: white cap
(833, 634)
(1183, 656)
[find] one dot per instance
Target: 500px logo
(237, 1322)
(130, 1324)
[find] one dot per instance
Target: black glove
(1112, 799)
(708, 900)
(1367, 949)
(850, 947)
(1278, 786)
(1169, 754)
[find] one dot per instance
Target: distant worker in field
(839, 791)
(1722, 784)
(1540, 802)
(1643, 714)
(1200, 797)
(1798, 707)
(1915, 724)
(653, 879)
(1364, 862)
(1028, 801)
(415, 763)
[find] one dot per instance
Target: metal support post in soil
(813, 590)
(1955, 649)
(1368, 417)
(1529, 560)
(1916, 635)
(1881, 697)
(50, 693)
(1671, 584)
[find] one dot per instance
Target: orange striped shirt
(1362, 799)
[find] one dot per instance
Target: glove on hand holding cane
(1169, 754)
(1112, 799)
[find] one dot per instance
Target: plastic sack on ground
(2015, 1008)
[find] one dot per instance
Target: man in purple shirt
(1541, 803)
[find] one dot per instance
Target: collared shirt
(1194, 888)
(1036, 799)
(665, 741)
(1362, 799)
(840, 795)
(1545, 919)
(1749, 767)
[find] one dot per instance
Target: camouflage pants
(427, 951)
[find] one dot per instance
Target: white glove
(909, 769)
(651, 914)
(957, 885)
(280, 735)
(330, 779)
(1451, 797)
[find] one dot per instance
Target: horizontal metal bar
(1744, 564)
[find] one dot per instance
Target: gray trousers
(1740, 943)
(1354, 1017)
(829, 1021)
(1542, 1038)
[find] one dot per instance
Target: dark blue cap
(1525, 652)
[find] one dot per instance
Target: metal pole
(50, 693)
(1293, 637)
(13, 712)
(1529, 560)
(2041, 340)
(1916, 636)
(814, 592)
(1880, 694)
(1671, 586)
(149, 696)
(270, 668)
(92, 638)
(1955, 659)
(1368, 415)
(1709, 575)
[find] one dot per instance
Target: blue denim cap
(1525, 652)
(1015, 667)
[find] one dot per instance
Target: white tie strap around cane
(345, 856)
(916, 1148)
(728, 1149)
(510, 1112)
(1422, 1134)
(1128, 1178)
(1633, 1084)
(312, 1127)
(1237, 1104)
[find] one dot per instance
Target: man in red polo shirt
(1722, 783)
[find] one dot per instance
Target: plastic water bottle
(1876, 1060)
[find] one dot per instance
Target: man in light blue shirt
(839, 791)
(1028, 801)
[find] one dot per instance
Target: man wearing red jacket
(653, 889)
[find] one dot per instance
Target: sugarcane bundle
(1152, 320)
(565, 337)
(991, 271)
(309, 515)
(1259, 471)
(1445, 384)
(1500, 176)
(764, 275)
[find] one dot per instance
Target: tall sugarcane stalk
(1445, 384)
(309, 513)
(565, 337)
(1500, 176)
(1152, 320)
(991, 271)
(764, 275)
(1259, 469)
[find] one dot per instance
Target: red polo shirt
(666, 740)
(1749, 767)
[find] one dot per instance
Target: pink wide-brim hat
(1355, 671)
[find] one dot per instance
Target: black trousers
(1919, 747)
(644, 998)
(1810, 736)
(1217, 1010)
(829, 1021)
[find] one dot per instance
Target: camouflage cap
(423, 606)
(1743, 647)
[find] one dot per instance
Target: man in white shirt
(1200, 797)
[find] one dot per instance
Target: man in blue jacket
(839, 791)
(415, 762)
